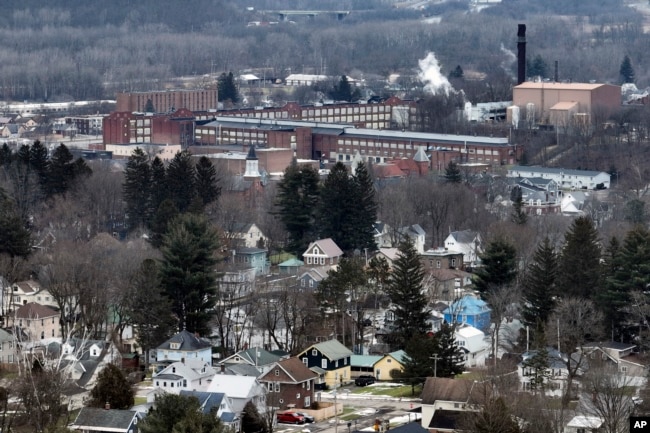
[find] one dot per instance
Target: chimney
(521, 53)
(107, 406)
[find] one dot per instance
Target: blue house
(252, 258)
(469, 310)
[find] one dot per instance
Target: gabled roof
(294, 368)
(28, 286)
(445, 389)
(116, 420)
(421, 155)
(233, 386)
(255, 356)
(250, 250)
(188, 342)
(292, 262)
(364, 360)
(328, 246)
(314, 274)
(240, 227)
(207, 400)
(464, 236)
(613, 345)
(398, 355)
(33, 311)
(331, 349)
(553, 170)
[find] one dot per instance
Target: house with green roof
(331, 361)
(379, 366)
(261, 359)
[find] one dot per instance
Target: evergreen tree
(539, 287)
(449, 356)
(417, 363)
(537, 367)
(537, 68)
(227, 88)
(112, 387)
(159, 192)
(337, 206)
(452, 173)
(39, 161)
(365, 212)
(6, 155)
(296, 204)
(634, 211)
(61, 171)
(518, 215)
(80, 169)
(252, 421)
(499, 266)
(457, 72)
(149, 108)
(579, 265)
(187, 271)
(207, 182)
(181, 177)
(136, 189)
(408, 303)
(627, 71)
(15, 238)
(175, 413)
(628, 271)
(343, 91)
(161, 220)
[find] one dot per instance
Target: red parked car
(290, 418)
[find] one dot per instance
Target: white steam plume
(435, 82)
(506, 65)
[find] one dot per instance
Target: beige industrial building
(562, 104)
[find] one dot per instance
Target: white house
(467, 242)
(189, 375)
(565, 178)
(240, 390)
(573, 202)
(472, 342)
(184, 346)
(246, 235)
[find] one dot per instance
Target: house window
(311, 283)
(323, 363)
(388, 360)
(298, 395)
(336, 364)
(302, 283)
(277, 372)
(438, 264)
(42, 335)
(277, 386)
(270, 385)
(173, 369)
(184, 383)
(453, 262)
(305, 361)
(307, 401)
(281, 401)
(314, 352)
(623, 369)
(322, 260)
(308, 385)
(157, 383)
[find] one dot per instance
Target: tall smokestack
(521, 53)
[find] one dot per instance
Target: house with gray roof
(184, 345)
(539, 195)
(332, 359)
(566, 179)
(467, 242)
(217, 402)
(323, 252)
(106, 420)
(254, 258)
(311, 279)
(192, 374)
(247, 235)
(259, 358)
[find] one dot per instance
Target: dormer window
(316, 250)
(174, 346)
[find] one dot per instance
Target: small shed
(291, 266)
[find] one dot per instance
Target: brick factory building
(166, 101)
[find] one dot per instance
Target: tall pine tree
(539, 287)
(408, 303)
(296, 203)
(452, 173)
(579, 269)
(337, 208)
(188, 271)
(365, 212)
(207, 182)
(181, 180)
(136, 189)
(499, 266)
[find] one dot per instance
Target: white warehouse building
(565, 178)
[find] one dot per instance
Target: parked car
(364, 380)
(308, 418)
(290, 418)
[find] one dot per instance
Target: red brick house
(290, 384)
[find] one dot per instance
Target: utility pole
(435, 364)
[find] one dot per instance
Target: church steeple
(252, 170)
